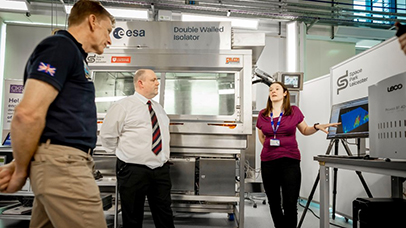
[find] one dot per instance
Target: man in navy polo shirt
(54, 127)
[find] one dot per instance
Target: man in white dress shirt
(136, 128)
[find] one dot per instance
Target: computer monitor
(292, 80)
(354, 119)
(7, 140)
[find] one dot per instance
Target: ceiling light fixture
(235, 22)
(13, 6)
(108, 99)
(226, 91)
(33, 23)
(121, 13)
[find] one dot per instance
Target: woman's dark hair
(287, 109)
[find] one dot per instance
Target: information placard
(13, 93)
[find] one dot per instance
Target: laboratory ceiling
(311, 12)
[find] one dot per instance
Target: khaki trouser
(66, 194)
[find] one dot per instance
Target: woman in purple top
(280, 156)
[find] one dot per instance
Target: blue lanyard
(277, 124)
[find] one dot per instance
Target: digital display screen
(354, 119)
(291, 80)
(7, 140)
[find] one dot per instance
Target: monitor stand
(361, 147)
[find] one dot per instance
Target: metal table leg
(242, 191)
(116, 206)
(397, 187)
(324, 196)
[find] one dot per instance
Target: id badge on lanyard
(275, 141)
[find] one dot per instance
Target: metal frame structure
(328, 13)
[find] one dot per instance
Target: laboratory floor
(254, 218)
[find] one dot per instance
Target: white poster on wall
(350, 79)
(13, 93)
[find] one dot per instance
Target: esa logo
(342, 82)
(395, 87)
(119, 33)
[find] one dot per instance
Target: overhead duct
(364, 33)
(253, 41)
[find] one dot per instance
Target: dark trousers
(282, 176)
(137, 181)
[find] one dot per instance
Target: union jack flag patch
(47, 68)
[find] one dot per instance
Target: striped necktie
(156, 132)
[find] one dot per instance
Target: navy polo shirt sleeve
(50, 62)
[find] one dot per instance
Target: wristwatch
(315, 126)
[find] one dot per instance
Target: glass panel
(360, 5)
(113, 86)
(401, 8)
(375, 6)
(200, 93)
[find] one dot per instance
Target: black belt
(77, 146)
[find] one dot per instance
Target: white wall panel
(321, 55)
(350, 79)
(315, 105)
(20, 42)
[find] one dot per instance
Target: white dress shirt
(127, 131)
